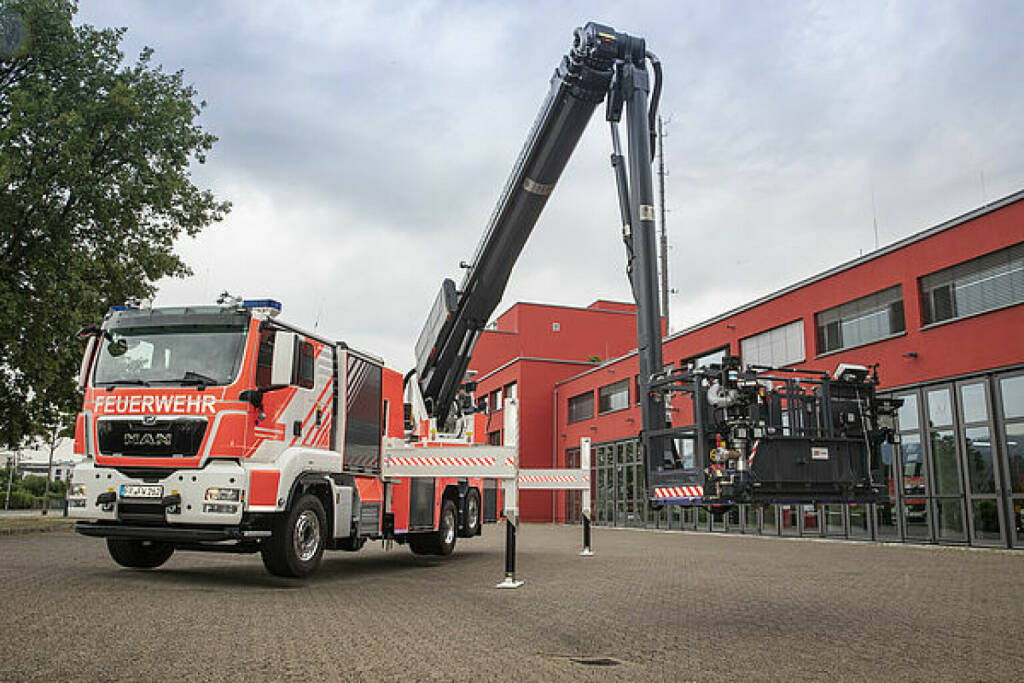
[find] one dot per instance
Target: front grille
(160, 439)
(149, 475)
(140, 512)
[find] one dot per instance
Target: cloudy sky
(365, 144)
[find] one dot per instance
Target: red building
(939, 312)
(524, 353)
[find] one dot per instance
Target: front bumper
(171, 534)
(102, 500)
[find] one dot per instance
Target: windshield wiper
(110, 384)
(191, 377)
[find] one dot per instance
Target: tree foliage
(94, 189)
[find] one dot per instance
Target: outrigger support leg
(511, 522)
(585, 502)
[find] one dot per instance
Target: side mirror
(89, 331)
(283, 362)
(83, 370)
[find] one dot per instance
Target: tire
(447, 528)
(297, 540)
(442, 541)
(139, 554)
(421, 544)
(471, 515)
(350, 544)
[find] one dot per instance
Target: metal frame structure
(496, 462)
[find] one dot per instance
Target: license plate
(141, 491)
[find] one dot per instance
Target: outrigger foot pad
(510, 582)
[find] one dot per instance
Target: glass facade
(954, 476)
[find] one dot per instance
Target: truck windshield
(172, 354)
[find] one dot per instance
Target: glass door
(1010, 392)
(751, 523)
(621, 512)
(605, 503)
(943, 446)
(770, 520)
(984, 488)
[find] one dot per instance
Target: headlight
(223, 494)
(77, 491)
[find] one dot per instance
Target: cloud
(364, 145)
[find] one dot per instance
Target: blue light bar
(262, 303)
(118, 309)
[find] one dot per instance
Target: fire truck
(223, 428)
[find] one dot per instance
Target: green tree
(34, 484)
(94, 189)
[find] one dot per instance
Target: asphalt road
(652, 606)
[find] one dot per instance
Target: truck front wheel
(296, 543)
(139, 554)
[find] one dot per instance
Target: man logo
(147, 439)
(149, 420)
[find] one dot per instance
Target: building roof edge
(870, 256)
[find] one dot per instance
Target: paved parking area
(649, 606)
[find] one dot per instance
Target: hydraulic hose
(652, 116)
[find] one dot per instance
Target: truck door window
(264, 358)
(306, 361)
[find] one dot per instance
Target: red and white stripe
(553, 478)
(753, 452)
(678, 492)
(440, 461)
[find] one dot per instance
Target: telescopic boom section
(580, 83)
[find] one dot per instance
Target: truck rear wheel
(296, 543)
(442, 541)
(471, 514)
(139, 554)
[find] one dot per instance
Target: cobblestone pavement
(648, 606)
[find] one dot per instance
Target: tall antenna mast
(874, 215)
(664, 233)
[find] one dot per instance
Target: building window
(481, 404)
(861, 321)
(494, 402)
(636, 389)
(777, 347)
(982, 284)
(581, 407)
(613, 397)
(556, 327)
(494, 438)
(511, 390)
(704, 360)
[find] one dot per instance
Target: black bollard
(587, 552)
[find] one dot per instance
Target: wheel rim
(449, 526)
(306, 538)
(472, 512)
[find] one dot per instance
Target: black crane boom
(580, 83)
